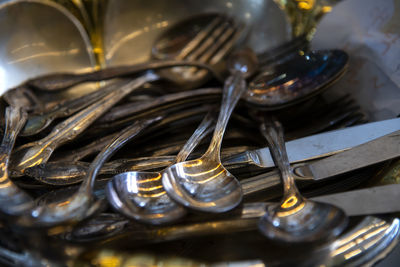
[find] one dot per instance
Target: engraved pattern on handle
(273, 132)
(234, 87)
(40, 151)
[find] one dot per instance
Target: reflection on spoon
(204, 184)
(300, 77)
(141, 195)
(296, 219)
(83, 203)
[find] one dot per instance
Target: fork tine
(217, 45)
(198, 39)
(227, 46)
(209, 42)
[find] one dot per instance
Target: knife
(319, 145)
(375, 151)
(373, 200)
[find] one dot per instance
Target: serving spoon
(141, 195)
(204, 184)
(296, 219)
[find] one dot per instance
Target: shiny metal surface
(300, 77)
(368, 201)
(131, 27)
(295, 218)
(372, 152)
(141, 195)
(32, 46)
(319, 145)
(204, 183)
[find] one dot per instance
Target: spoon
(141, 196)
(296, 219)
(296, 79)
(204, 184)
(13, 200)
(34, 153)
(83, 203)
(37, 123)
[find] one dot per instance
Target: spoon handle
(9, 193)
(205, 127)
(118, 141)
(61, 81)
(40, 151)
(272, 130)
(234, 87)
(64, 109)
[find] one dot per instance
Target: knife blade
(375, 151)
(373, 200)
(319, 145)
(372, 152)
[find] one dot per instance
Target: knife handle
(260, 182)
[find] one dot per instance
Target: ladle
(204, 184)
(141, 195)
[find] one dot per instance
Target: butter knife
(375, 151)
(319, 145)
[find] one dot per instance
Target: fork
(206, 49)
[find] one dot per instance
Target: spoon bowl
(308, 221)
(203, 184)
(296, 79)
(296, 219)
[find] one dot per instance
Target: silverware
(208, 47)
(295, 218)
(203, 183)
(82, 204)
(368, 201)
(13, 200)
(141, 196)
(38, 152)
(319, 145)
(296, 79)
(372, 152)
(38, 122)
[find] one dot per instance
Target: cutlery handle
(41, 150)
(61, 81)
(260, 182)
(234, 87)
(76, 124)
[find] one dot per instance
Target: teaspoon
(296, 79)
(296, 219)
(82, 204)
(204, 183)
(141, 195)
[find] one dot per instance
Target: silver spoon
(296, 219)
(38, 152)
(13, 200)
(296, 79)
(141, 195)
(204, 184)
(83, 203)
